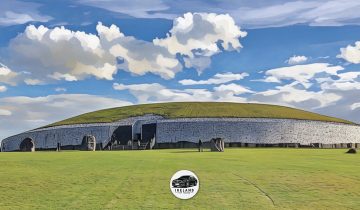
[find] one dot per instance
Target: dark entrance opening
(121, 135)
(27, 145)
(148, 132)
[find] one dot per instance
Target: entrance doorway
(27, 145)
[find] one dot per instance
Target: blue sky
(63, 58)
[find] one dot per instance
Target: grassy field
(198, 109)
(236, 179)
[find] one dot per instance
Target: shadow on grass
(188, 151)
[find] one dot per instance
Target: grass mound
(198, 109)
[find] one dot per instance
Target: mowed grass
(236, 179)
(198, 109)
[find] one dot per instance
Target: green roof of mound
(197, 109)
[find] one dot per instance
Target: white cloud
(142, 57)
(4, 112)
(348, 76)
(295, 94)
(138, 57)
(59, 52)
(297, 59)
(3, 88)
(233, 88)
(343, 82)
(62, 54)
(60, 76)
(302, 73)
(13, 12)
(351, 53)
(268, 79)
(218, 78)
(201, 32)
(334, 93)
(4, 70)
(231, 92)
(199, 63)
(33, 82)
(340, 85)
(28, 113)
(355, 106)
(154, 92)
(6, 75)
(60, 89)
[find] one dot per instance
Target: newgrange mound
(183, 124)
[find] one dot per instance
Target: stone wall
(233, 130)
(256, 131)
(46, 138)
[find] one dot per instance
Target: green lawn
(198, 109)
(236, 179)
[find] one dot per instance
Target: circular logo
(184, 184)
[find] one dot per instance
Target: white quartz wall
(245, 130)
(71, 134)
(258, 131)
(49, 138)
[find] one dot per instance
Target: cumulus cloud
(346, 107)
(301, 73)
(322, 88)
(233, 88)
(3, 88)
(218, 78)
(302, 77)
(270, 79)
(31, 112)
(296, 95)
(13, 12)
(351, 53)
(62, 54)
(201, 32)
(342, 82)
(155, 92)
(231, 92)
(199, 63)
(7, 76)
(297, 59)
(141, 57)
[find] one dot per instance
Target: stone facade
(256, 131)
(235, 131)
(68, 135)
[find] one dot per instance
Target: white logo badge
(184, 184)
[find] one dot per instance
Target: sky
(63, 58)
